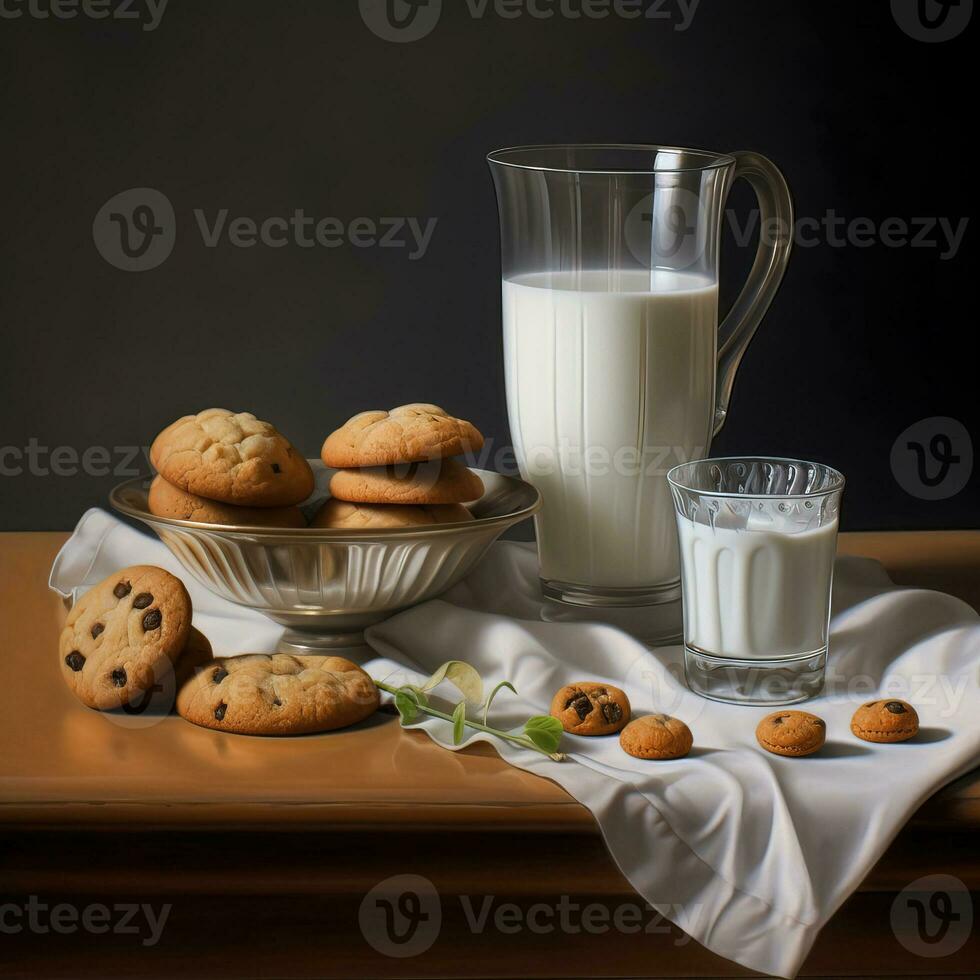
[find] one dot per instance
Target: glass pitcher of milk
(613, 364)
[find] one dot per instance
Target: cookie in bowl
(166, 500)
(341, 514)
(232, 457)
(407, 434)
(444, 481)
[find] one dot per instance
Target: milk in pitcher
(610, 382)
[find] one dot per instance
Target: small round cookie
(407, 434)
(342, 514)
(885, 721)
(591, 708)
(791, 733)
(166, 500)
(277, 694)
(443, 481)
(656, 737)
(233, 458)
(123, 635)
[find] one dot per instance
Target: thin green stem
(521, 740)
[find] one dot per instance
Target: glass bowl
(327, 585)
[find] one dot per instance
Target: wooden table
(265, 848)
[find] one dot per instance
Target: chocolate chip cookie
(407, 434)
(444, 481)
(591, 708)
(341, 514)
(656, 737)
(123, 635)
(277, 694)
(232, 457)
(791, 733)
(885, 721)
(166, 500)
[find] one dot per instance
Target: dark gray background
(263, 108)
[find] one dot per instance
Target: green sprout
(542, 733)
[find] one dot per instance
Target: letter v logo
(932, 21)
(401, 21)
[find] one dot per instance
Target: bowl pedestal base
(302, 642)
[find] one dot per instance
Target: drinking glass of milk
(613, 364)
(757, 543)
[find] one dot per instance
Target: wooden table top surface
(62, 764)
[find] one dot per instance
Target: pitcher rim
(713, 160)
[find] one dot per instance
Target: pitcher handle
(775, 244)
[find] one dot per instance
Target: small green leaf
(546, 741)
(417, 693)
(544, 731)
(545, 723)
(407, 706)
(459, 723)
(493, 694)
(463, 676)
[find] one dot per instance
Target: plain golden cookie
(442, 481)
(341, 514)
(232, 457)
(885, 721)
(124, 635)
(791, 733)
(591, 708)
(408, 434)
(166, 500)
(277, 694)
(656, 737)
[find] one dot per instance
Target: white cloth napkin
(748, 852)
